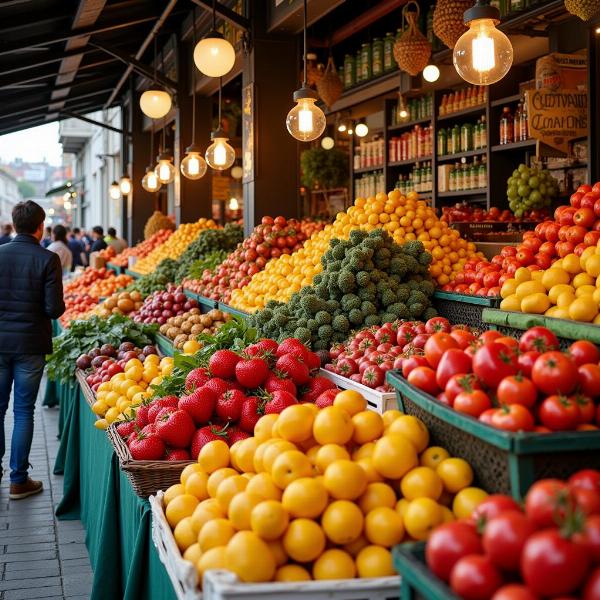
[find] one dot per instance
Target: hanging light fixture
(164, 170)
(483, 54)
(234, 204)
(114, 191)
(306, 121)
(213, 54)
(219, 155)
(150, 181)
(403, 110)
(237, 172)
(431, 73)
(327, 143)
(155, 102)
(193, 165)
(361, 129)
(125, 185)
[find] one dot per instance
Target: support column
(272, 68)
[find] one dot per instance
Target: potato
(135, 296)
(186, 327)
(125, 305)
(177, 321)
(173, 332)
(196, 329)
(180, 339)
(195, 311)
(110, 302)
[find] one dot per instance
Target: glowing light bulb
(125, 185)
(483, 53)
(237, 172)
(164, 170)
(306, 121)
(193, 166)
(150, 181)
(234, 204)
(431, 73)
(155, 103)
(114, 191)
(214, 55)
(341, 127)
(220, 155)
(327, 143)
(361, 130)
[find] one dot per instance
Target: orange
(377, 494)
(353, 548)
(345, 480)
(584, 308)
(421, 517)
(269, 519)
(291, 572)
(205, 511)
(215, 533)
(215, 558)
(249, 557)
(366, 465)
(196, 484)
(289, 466)
(342, 522)
(262, 429)
(278, 551)
(455, 474)
(188, 470)
(217, 477)
(421, 482)
(364, 451)
(228, 488)
(334, 564)
(262, 485)
(214, 455)
(273, 450)
(240, 509)
(375, 561)
(180, 507)
(184, 534)
(193, 553)
(413, 429)
(351, 401)
(245, 455)
(384, 527)
(368, 426)
(389, 416)
(394, 455)
(295, 423)
(466, 501)
(433, 456)
(305, 497)
(304, 540)
(172, 492)
(328, 453)
(333, 425)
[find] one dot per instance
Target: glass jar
(389, 63)
(377, 57)
(365, 62)
(349, 71)
(358, 67)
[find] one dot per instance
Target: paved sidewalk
(40, 557)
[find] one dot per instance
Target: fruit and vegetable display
(366, 280)
(157, 280)
(107, 254)
(184, 329)
(82, 283)
(160, 306)
(174, 246)
(316, 493)
(109, 285)
(370, 353)
(78, 306)
(119, 303)
(516, 385)
(142, 249)
(157, 222)
(549, 547)
(530, 188)
(462, 212)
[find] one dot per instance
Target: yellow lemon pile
(317, 494)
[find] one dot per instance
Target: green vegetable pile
(157, 280)
(209, 261)
(209, 240)
(367, 280)
(83, 336)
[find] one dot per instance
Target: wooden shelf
(472, 110)
(507, 100)
(368, 169)
(410, 161)
(408, 124)
(366, 91)
(456, 194)
(458, 155)
(514, 146)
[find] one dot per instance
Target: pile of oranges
(317, 494)
(106, 287)
(405, 218)
(174, 246)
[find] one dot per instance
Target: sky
(32, 145)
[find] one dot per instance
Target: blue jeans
(26, 371)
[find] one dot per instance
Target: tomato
(438, 324)
(493, 362)
(591, 591)
(490, 335)
(514, 591)
(538, 338)
(487, 415)
(546, 502)
(460, 383)
(475, 577)
(588, 501)
(552, 565)
(586, 406)
(492, 506)
(590, 537)
(589, 380)
(585, 217)
(504, 537)
(526, 361)
(449, 543)
(513, 417)
(462, 337)
(517, 389)
(472, 403)
(554, 373)
(416, 360)
(583, 352)
(588, 479)
(559, 413)
(406, 333)
(508, 341)
(424, 379)
(453, 362)
(436, 345)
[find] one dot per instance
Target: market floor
(41, 557)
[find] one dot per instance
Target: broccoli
(312, 325)
(331, 305)
(355, 316)
(412, 265)
(388, 317)
(317, 279)
(399, 310)
(321, 345)
(301, 322)
(362, 278)
(305, 291)
(280, 319)
(322, 291)
(357, 236)
(413, 248)
(323, 317)
(346, 282)
(371, 320)
(388, 297)
(350, 301)
(325, 332)
(416, 310)
(398, 266)
(425, 259)
(412, 285)
(418, 296)
(272, 304)
(427, 287)
(429, 313)
(311, 304)
(377, 275)
(341, 324)
(403, 292)
(339, 252)
(368, 308)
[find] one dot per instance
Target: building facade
(9, 195)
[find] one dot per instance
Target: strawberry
(313, 361)
(294, 368)
(125, 428)
(175, 427)
(159, 404)
(149, 429)
(196, 378)
(177, 454)
(141, 415)
(217, 385)
(326, 398)
(294, 347)
(251, 372)
(315, 387)
(222, 363)
(200, 404)
(278, 381)
(278, 401)
(235, 385)
(265, 348)
(251, 412)
(206, 434)
(229, 405)
(237, 435)
(146, 446)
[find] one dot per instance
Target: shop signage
(557, 116)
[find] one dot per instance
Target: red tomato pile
(226, 400)
(369, 354)
(77, 307)
(143, 248)
(465, 213)
(548, 549)
(515, 385)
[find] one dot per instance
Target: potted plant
(324, 168)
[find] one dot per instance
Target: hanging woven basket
(412, 50)
(448, 20)
(586, 10)
(330, 85)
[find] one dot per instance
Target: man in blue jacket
(32, 295)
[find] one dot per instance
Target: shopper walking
(77, 249)
(98, 237)
(6, 234)
(47, 237)
(61, 247)
(31, 279)
(118, 244)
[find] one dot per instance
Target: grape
(530, 188)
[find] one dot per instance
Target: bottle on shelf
(483, 132)
(482, 173)
(517, 124)
(462, 99)
(389, 63)
(442, 142)
(506, 126)
(349, 71)
(369, 184)
(524, 125)
(454, 145)
(377, 57)
(466, 137)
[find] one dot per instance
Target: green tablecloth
(117, 522)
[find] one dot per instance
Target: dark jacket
(31, 294)
(97, 245)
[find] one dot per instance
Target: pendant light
(431, 73)
(114, 191)
(164, 169)
(193, 165)
(213, 54)
(150, 181)
(125, 185)
(155, 102)
(306, 121)
(219, 155)
(361, 129)
(483, 54)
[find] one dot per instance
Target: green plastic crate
(417, 582)
(462, 309)
(515, 323)
(165, 345)
(503, 462)
(133, 274)
(205, 304)
(118, 270)
(233, 311)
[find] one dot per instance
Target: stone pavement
(40, 557)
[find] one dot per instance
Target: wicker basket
(448, 20)
(461, 309)
(503, 462)
(413, 49)
(330, 86)
(87, 391)
(146, 476)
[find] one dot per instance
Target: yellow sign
(556, 117)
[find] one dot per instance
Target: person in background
(77, 249)
(31, 278)
(118, 244)
(6, 234)
(61, 247)
(98, 239)
(47, 239)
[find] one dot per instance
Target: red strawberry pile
(366, 357)
(550, 548)
(225, 400)
(270, 239)
(515, 385)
